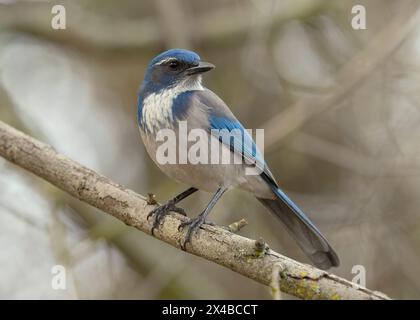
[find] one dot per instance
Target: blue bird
(172, 92)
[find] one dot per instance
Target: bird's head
(175, 67)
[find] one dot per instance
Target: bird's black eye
(174, 65)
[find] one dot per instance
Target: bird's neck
(156, 107)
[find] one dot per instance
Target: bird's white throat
(157, 107)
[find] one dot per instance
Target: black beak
(202, 67)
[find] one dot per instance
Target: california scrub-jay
(171, 93)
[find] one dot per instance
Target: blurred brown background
(340, 107)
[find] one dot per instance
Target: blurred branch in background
(216, 244)
(357, 162)
(350, 75)
(175, 13)
(93, 29)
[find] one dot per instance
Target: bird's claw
(193, 226)
(163, 210)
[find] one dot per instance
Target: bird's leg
(195, 223)
(161, 211)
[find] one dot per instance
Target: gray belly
(210, 177)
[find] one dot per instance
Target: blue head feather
(159, 77)
(186, 56)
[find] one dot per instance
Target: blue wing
(231, 133)
(223, 124)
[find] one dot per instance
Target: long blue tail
(308, 237)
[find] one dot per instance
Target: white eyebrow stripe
(164, 61)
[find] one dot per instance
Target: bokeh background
(340, 108)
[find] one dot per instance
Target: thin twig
(275, 281)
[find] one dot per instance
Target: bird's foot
(193, 226)
(163, 210)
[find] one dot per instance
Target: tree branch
(215, 244)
